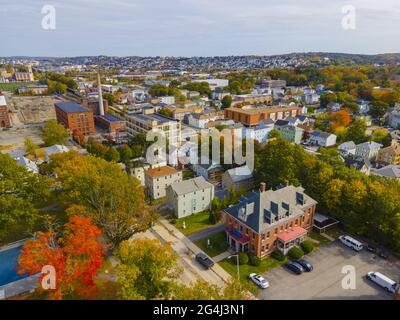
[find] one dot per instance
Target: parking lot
(325, 281)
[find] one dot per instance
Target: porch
(290, 238)
(238, 242)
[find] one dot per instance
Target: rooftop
(69, 106)
(191, 185)
(260, 210)
(160, 172)
(111, 118)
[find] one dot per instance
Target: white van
(388, 284)
(351, 243)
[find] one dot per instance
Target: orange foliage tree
(76, 257)
(340, 119)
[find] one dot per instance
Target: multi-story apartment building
(158, 179)
(260, 132)
(389, 155)
(292, 133)
(148, 120)
(5, 121)
(74, 116)
(201, 120)
(253, 115)
(190, 196)
(368, 150)
(252, 99)
(265, 220)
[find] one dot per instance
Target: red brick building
(93, 104)
(252, 116)
(265, 220)
(5, 121)
(74, 116)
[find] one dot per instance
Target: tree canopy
(113, 199)
(54, 133)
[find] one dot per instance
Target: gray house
(190, 196)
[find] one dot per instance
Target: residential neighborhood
(202, 177)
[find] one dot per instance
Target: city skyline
(203, 28)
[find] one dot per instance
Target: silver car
(259, 280)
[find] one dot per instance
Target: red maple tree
(76, 257)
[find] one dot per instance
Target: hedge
(254, 260)
(295, 253)
(307, 246)
(278, 255)
(243, 258)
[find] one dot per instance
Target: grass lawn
(335, 232)
(194, 223)
(244, 270)
(188, 174)
(318, 237)
(14, 85)
(218, 244)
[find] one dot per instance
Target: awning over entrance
(291, 234)
(238, 236)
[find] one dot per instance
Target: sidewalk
(222, 256)
(221, 273)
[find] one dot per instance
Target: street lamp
(237, 263)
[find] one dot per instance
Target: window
(241, 228)
(263, 236)
(276, 230)
(267, 247)
(254, 235)
(268, 235)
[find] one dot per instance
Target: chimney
(287, 183)
(263, 187)
(101, 104)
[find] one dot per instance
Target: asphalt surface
(325, 281)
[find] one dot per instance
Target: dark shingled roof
(111, 118)
(70, 106)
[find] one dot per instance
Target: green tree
(377, 109)
(326, 98)
(226, 101)
(113, 199)
(125, 153)
(112, 154)
(54, 133)
(30, 146)
(21, 193)
(147, 269)
(356, 131)
(274, 133)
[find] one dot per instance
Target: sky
(197, 27)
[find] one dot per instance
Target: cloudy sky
(197, 27)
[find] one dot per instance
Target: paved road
(207, 232)
(325, 281)
(186, 250)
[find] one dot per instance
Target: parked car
(305, 264)
(371, 249)
(259, 280)
(351, 243)
(204, 260)
(386, 283)
(294, 267)
(383, 254)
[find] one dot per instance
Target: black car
(295, 267)
(305, 264)
(383, 254)
(204, 260)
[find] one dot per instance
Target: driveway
(325, 281)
